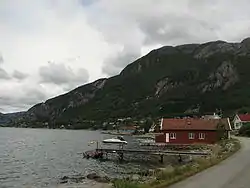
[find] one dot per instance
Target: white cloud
(100, 37)
(35, 32)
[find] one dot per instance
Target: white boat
(117, 140)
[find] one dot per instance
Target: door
(167, 137)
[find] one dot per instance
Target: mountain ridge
(167, 81)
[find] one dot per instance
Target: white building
(240, 119)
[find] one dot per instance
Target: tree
(221, 131)
(147, 125)
(245, 130)
(243, 110)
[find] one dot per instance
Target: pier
(100, 152)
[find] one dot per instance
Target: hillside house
(240, 119)
(192, 130)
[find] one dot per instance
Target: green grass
(125, 184)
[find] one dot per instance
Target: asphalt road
(233, 172)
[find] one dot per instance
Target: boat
(117, 140)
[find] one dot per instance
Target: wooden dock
(152, 152)
(120, 152)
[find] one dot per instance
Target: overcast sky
(48, 47)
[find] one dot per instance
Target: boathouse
(192, 130)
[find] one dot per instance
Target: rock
(92, 176)
(135, 177)
(63, 182)
(64, 178)
(104, 179)
(165, 85)
(76, 179)
(224, 77)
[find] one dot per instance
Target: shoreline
(166, 177)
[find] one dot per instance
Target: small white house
(152, 128)
(240, 119)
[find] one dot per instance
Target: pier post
(161, 160)
(121, 156)
(180, 158)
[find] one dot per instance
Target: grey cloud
(1, 58)
(177, 29)
(35, 96)
(59, 74)
(115, 64)
(22, 101)
(88, 2)
(19, 75)
(166, 23)
(4, 75)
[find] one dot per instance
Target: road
(233, 172)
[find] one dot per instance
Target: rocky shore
(172, 167)
(94, 180)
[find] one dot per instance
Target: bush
(124, 184)
(245, 130)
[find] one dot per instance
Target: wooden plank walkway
(152, 152)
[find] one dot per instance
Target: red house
(191, 131)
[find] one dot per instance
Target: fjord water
(40, 157)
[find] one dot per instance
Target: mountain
(169, 81)
(6, 119)
(2, 119)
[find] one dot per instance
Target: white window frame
(191, 136)
(202, 136)
(172, 136)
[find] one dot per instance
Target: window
(201, 136)
(191, 136)
(172, 135)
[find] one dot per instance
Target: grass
(165, 179)
(125, 184)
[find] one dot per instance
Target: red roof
(194, 124)
(244, 117)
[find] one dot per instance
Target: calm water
(40, 157)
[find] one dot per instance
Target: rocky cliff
(167, 81)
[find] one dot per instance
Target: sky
(49, 47)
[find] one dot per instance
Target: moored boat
(117, 140)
